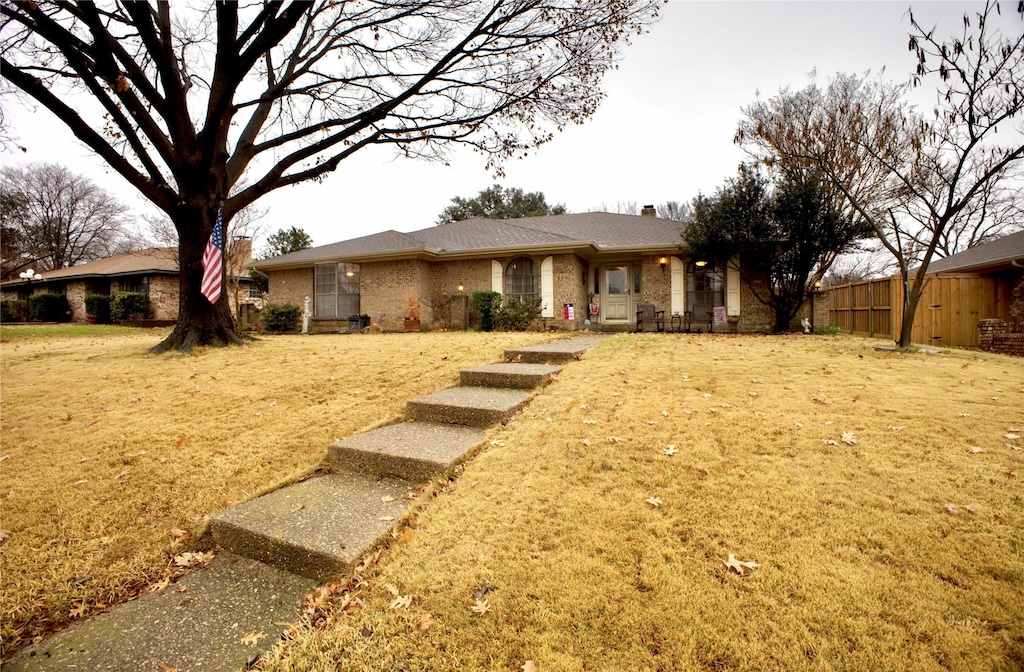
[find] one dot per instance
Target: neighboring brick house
(601, 265)
(153, 272)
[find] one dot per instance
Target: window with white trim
(521, 279)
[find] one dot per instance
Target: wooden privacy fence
(948, 313)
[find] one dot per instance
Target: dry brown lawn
(112, 460)
(880, 494)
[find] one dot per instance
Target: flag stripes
(213, 262)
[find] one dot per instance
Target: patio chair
(646, 314)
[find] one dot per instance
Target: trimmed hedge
(98, 305)
(49, 308)
(13, 310)
(128, 306)
(281, 318)
(486, 304)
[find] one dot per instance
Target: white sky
(663, 133)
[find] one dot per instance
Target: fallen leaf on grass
(738, 565)
(78, 609)
(585, 442)
(167, 668)
(848, 438)
(798, 425)
(79, 482)
(896, 428)
(426, 620)
(3, 457)
(670, 451)
(952, 510)
(653, 501)
(971, 508)
(499, 444)
(614, 439)
(1012, 437)
(1012, 447)
(401, 602)
(975, 449)
(178, 532)
(123, 476)
(529, 666)
(830, 442)
(393, 589)
(182, 440)
(253, 638)
(4, 534)
(480, 607)
(590, 422)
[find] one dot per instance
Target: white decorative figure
(306, 314)
(806, 324)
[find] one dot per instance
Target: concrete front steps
(321, 527)
(312, 531)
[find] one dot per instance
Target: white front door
(616, 293)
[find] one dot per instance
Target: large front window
(521, 279)
(705, 289)
(337, 290)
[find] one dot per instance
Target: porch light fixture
(30, 275)
(349, 273)
(663, 262)
(701, 263)
(461, 288)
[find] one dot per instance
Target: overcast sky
(663, 133)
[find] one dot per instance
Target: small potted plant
(412, 311)
(97, 308)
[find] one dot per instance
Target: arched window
(521, 279)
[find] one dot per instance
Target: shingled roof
(995, 255)
(597, 231)
(152, 260)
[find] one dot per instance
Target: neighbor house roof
(594, 231)
(995, 255)
(153, 260)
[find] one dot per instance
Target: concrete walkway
(280, 546)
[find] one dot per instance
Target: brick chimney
(648, 211)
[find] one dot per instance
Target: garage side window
(521, 279)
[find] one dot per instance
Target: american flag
(213, 261)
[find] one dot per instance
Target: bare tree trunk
(199, 321)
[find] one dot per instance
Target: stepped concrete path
(279, 546)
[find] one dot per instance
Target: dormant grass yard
(113, 460)
(880, 494)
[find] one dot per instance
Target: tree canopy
(496, 202)
(287, 240)
(185, 102)
(926, 185)
(787, 233)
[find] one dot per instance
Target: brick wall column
(990, 332)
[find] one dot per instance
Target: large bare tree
(186, 101)
(54, 218)
(928, 184)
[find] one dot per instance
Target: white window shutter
(497, 275)
(732, 286)
(678, 286)
(547, 287)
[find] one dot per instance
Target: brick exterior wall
(1016, 287)
(384, 286)
(291, 286)
(655, 283)
(164, 291)
(570, 287)
(995, 336)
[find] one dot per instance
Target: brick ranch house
(153, 272)
(590, 270)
